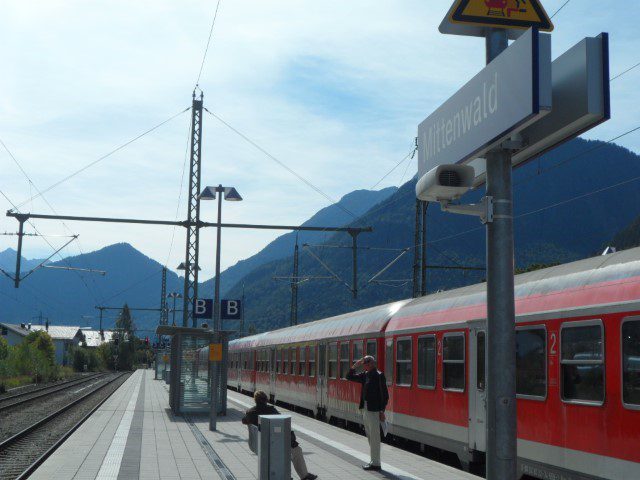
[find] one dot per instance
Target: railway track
(23, 451)
(8, 401)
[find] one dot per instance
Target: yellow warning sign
(501, 13)
(215, 352)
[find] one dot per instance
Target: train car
(577, 368)
(287, 359)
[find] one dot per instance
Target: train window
(631, 363)
(322, 359)
(453, 362)
(285, 361)
(372, 348)
(582, 362)
(481, 361)
(333, 360)
(292, 360)
(344, 359)
(357, 353)
(312, 361)
(277, 361)
(403, 362)
(302, 363)
(531, 368)
(388, 361)
(427, 361)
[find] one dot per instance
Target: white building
(63, 337)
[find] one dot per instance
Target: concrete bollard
(274, 447)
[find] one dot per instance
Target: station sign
(203, 308)
(509, 94)
(472, 17)
(231, 309)
(581, 100)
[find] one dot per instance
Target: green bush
(81, 356)
(42, 342)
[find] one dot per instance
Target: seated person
(263, 408)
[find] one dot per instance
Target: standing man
(373, 400)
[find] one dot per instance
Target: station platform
(135, 435)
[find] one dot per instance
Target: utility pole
(193, 214)
(294, 287)
(354, 246)
(501, 334)
(242, 313)
(102, 309)
(21, 219)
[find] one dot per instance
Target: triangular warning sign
(501, 13)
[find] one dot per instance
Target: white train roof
(603, 279)
(358, 323)
(599, 280)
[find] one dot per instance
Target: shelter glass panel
(631, 362)
(194, 382)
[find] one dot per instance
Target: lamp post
(216, 369)
(174, 295)
(230, 195)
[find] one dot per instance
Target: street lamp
(231, 195)
(174, 295)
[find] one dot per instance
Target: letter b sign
(203, 308)
(231, 309)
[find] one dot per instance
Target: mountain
(565, 208)
(8, 261)
(70, 297)
(337, 215)
(628, 237)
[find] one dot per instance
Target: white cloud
(333, 89)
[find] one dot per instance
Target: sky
(333, 89)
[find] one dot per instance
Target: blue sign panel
(203, 308)
(231, 309)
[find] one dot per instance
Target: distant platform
(134, 435)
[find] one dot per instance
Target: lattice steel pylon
(193, 215)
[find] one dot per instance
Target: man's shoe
(374, 468)
(310, 476)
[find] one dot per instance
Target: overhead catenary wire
(100, 159)
(561, 7)
(206, 50)
(281, 163)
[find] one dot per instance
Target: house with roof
(92, 339)
(64, 337)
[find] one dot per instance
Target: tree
(4, 349)
(125, 331)
(42, 342)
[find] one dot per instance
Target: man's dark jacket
(374, 389)
(251, 418)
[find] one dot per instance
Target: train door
(321, 384)
(272, 371)
(477, 389)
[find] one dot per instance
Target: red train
(578, 368)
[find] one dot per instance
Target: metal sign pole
(501, 377)
(213, 390)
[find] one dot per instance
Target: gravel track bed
(36, 386)
(16, 458)
(7, 401)
(19, 417)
